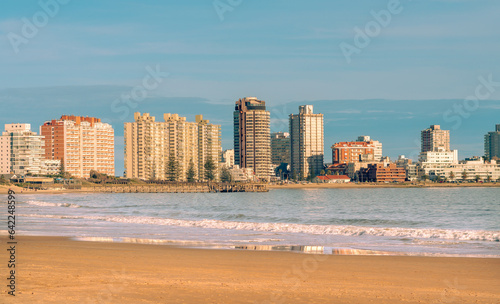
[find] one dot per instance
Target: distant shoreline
(18, 190)
(380, 185)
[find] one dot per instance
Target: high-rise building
(307, 142)
(150, 146)
(81, 143)
(21, 150)
(252, 143)
(435, 139)
(280, 148)
(492, 144)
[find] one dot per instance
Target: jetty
(179, 188)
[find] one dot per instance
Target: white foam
(47, 204)
(425, 233)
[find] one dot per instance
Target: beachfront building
(280, 148)
(492, 144)
(377, 146)
(82, 144)
(227, 159)
(252, 142)
(332, 179)
(435, 139)
(307, 143)
(209, 145)
(468, 170)
(21, 151)
(167, 150)
(350, 152)
(383, 172)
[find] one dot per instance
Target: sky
(111, 58)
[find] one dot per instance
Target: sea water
(429, 221)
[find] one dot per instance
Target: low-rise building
(337, 179)
(241, 174)
(383, 173)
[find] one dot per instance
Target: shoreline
(18, 190)
(60, 270)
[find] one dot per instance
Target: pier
(179, 188)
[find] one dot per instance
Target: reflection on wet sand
(317, 250)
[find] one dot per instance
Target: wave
(424, 233)
(47, 204)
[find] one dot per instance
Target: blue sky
(280, 51)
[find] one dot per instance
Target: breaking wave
(426, 233)
(47, 204)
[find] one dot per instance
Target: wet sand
(58, 270)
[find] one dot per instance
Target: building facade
(21, 151)
(492, 144)
(383, 173)
(252, 142)
(151, 147)
(435, 139)
(377, 146)
(82, 144)
(280, 148)
(350, 152)
(228, 158)
(307, 142)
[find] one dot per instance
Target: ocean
(396, 221)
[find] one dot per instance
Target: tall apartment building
(307, 142)
(151, 145)
(21, 151)
(81, 143)
(209, 143)
(435, 139)
(252, 143)
(492, 144)
(280, 148)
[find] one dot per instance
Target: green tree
(438, 178)
(328, 172)
(191, 173)
(322, 173)
(452, 176)
(209, 169)
(425, 177)
(464, 175)
(3, 180)
(225, 175)
(477, 178)
(488, 178)
(172, 168)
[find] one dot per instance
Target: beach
(59, 270)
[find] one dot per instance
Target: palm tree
(464, 175)
(452, 176)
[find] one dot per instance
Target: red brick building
(382, 173)
(349, 152)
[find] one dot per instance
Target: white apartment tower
(21, 150)
(307, 142)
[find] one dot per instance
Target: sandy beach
(58, 270)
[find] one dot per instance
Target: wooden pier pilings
(179, 188)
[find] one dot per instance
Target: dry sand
(57, 270)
